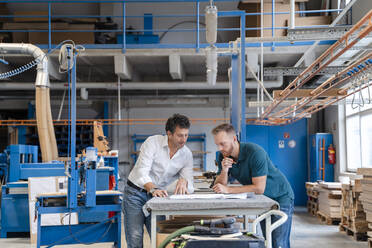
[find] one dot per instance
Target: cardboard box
(23, 37)
(57, 37)
(312, 20)
(4, 11)
(22, 17)
(254, 21)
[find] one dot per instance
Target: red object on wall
(112, 185)
(331, 154)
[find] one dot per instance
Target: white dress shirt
(155, 165)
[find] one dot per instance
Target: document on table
(212, 196)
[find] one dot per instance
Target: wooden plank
(364, 171)
(306, 92)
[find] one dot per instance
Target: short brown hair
(225, 127)
(177, 120)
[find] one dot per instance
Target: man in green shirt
(249, 164)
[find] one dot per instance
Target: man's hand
(221, 189)
(160, 193)
(181, 187)
(226, 164)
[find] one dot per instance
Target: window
(359, 130)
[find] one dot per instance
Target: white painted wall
(121, 135)
(57, 8)
(359, 9)
(332, 126)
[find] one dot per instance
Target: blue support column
(242, 75)
(50, 26)
(105, 116)
(90, 196)
(73, 179)
(272, 23)
(123, 49)
(197, 26)
(234, 93)
(31, 111)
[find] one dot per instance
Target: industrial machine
(99, 211)
(91, 192)
(223, 233)
(17, 164)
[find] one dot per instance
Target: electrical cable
(259, 81)
(33, 63)
(179, 23)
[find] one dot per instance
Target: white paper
(210, 196)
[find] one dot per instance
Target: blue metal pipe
(197, 26)
(49, 26)
(112, 1)
(192, 45)
(243, 135)
(124, 32)
(273, 23)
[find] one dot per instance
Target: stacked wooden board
(366, 198)
(329, 201)
(312, 197)
(353, 217)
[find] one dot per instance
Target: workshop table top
(252, 202)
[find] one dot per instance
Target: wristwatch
(153, 190)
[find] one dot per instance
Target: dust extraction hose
(177, 233)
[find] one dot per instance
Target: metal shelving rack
(140, 138)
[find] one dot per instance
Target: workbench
(252, 206)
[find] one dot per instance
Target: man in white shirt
(162, 160)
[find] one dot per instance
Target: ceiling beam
(306, 93)
(176, 67)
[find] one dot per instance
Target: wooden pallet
(328, 220)
(312, 207)
(357, 236)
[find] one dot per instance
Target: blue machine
(18, 163)
(320, 169)
(146, 38)
(99, 211)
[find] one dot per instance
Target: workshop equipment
(101, 209)
(100, 141)
(206, 233)
(17, 164)
(20, 162)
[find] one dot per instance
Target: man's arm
(258, 187)
(222, 178)
(185, 182)
(143, 167)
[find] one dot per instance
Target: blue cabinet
(320, 169)
(287, 148)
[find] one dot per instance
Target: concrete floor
(307, 232)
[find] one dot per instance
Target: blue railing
(123, 33)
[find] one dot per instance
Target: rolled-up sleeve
(143, 165)
(187, 172)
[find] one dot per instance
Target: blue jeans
(281, 235)
(134, 218)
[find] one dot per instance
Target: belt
(135, 186)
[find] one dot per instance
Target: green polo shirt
(253, 161)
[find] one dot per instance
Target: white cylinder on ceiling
(211, 57)
(211, 24)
